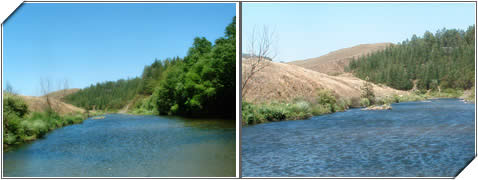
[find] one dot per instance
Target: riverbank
(163, 146)
(325, 103)
(301, 109)
(21, 125)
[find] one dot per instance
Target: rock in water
(382, 107)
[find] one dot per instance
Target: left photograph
(119, 90)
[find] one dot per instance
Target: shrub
(342, 105)
(326, 97)
(14, 104)
(9, 138)
(367, 91)
(301, 106)
(21, 126)
(298, 110)
(326, 102)
(364, 102)
(39, 128)
(395, 98)
(319, 109)
(273, 112)
(249, 115)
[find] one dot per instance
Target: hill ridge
(334, 62)
(286, 82)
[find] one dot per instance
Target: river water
(434, 138)
(127, 145)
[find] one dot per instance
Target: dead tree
(45, 85)
(261, 52)
(65, 86)
(9, 89)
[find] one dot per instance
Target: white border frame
(471, 168)
(470, 172)
(17, 4)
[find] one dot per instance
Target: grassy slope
(19, 129)
(334, 62)
(22, 124)
(290, 91)
(281, 82)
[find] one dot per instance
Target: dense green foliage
(153, 74)
(326, 102)
(106, 95)
(435, 61)
(200, 84)
(20, 125)
(204, 82)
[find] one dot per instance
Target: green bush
(319, 109)
(14, 110)
(298, 109)
(273, 112)
(14, 104)
(364, 102)
(21, 126)
(342, 105)
(395, 98)
(250, 115)
(326, 97)
(9, 138)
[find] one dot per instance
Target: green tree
(367, 91)
(445, 58)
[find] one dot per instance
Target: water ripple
(414, 139)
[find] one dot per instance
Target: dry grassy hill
(39, 103)
(285, 82)
(334, 62)
(62, 93)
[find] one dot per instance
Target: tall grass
(325, 103)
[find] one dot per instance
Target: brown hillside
(39, 103)
(285, 82)
(334, 62)
(62, 93)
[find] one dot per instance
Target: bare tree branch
(45, 85)
(261, 52)
(65, 86)
(9, 88)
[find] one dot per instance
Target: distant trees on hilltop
(445, 59)
(105, 95)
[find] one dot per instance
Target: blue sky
(307, 30)
(90, 43)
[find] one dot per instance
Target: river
(430, 138)
(129, 146)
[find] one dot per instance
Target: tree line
(106, 95)
(437, 61)
(200, 84)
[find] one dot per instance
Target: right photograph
(357, 89)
